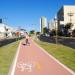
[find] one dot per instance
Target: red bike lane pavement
(32, 60)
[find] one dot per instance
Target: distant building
(66, 15)
(43, 24)
(5, 30)
(0, 20)
(21, 32)
(51, 25)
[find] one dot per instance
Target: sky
(27, 13)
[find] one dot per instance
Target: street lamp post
(55, 20)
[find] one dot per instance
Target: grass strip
(6, 56)
(64, 54)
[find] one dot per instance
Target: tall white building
(66, 15)
(43, 23)
(51, 24)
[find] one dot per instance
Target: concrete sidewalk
(33, 60)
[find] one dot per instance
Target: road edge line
(64, 66)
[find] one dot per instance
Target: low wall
(66, 41)
(7, 41)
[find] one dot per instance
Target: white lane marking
(69, 70)
(15, 61)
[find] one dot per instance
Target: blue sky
(26, 13)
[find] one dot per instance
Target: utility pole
(55, 20)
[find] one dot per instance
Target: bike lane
(32, 60)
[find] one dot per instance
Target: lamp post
(55, 20)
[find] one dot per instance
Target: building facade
(5, 30)
(66, 15)
(51, 24)
(43, 24)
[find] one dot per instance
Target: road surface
(32, 60)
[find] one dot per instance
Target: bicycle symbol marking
(25, 67)
(29, 66)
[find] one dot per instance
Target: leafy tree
(37, 33)
(53, 32)
(60, 33)
(67, 28)
(45, 30)
(68, 25)
(32, 32)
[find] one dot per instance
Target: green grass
(6, 57)
(64, 54)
